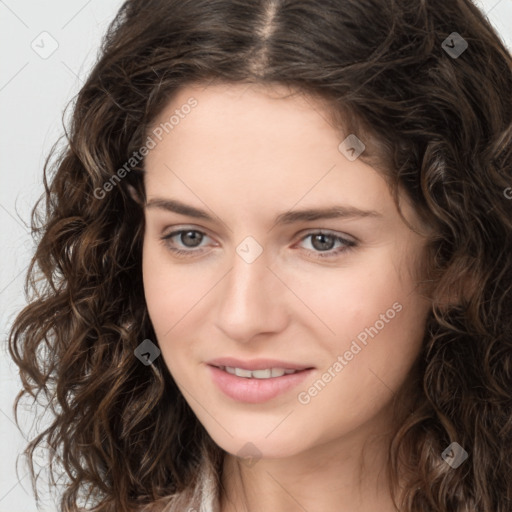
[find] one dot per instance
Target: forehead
(247, 111)
(246, 125)
(251, 136)
(255, 144)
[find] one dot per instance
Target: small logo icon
(249, 249)
(45, 45)
(454, 455)
(147, 352)
(454, 45)
(351, 147)
(249, 454)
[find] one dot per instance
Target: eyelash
(348, 244)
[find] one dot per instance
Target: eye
(190, 238)
(322, 243)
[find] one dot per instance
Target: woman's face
(257, 281)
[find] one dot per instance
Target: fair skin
(245, 155)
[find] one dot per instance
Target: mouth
(257, 385)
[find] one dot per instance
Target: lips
(255, 390)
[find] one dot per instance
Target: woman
(277, 256)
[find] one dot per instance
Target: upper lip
(256, 364)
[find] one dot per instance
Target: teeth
(258, 374)
(242, 373)
(261, 374)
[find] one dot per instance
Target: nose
(251, 300)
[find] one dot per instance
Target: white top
(203, 498)
(208, 492)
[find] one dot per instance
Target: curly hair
(440, 127)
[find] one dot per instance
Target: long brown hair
(437, 117)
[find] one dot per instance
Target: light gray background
(35, 86)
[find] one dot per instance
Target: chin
(252, 450)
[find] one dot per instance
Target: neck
(338, 476)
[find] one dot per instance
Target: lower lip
(255, 391)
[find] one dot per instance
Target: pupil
(323, 245)
(193, 235)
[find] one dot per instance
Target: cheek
(385, 316)
(352, 297)
(169, 291)
(158, 293)
(369, 362)
(376, 320)
(164, 291)
(174, 299)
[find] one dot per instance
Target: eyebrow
(310, 214)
